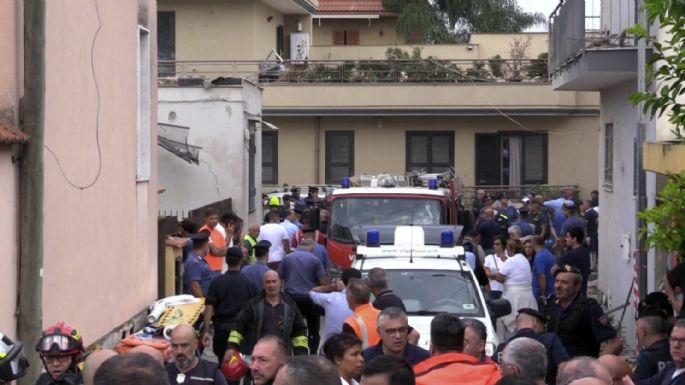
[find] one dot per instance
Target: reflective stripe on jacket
(364, 322)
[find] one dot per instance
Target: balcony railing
(576, 25)
(364, 71)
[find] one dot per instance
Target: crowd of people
(267, 291)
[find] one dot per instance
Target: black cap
(655, 304)
(233, 255)
(201, 236)
(295, 190)
(568, 269)
(534, 313)
(299, 207)
(263, 244)
(651, 310)
(350, 273)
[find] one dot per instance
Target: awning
(174, 139)
(270, 126)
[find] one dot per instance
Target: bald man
(93, 362)
(187, 368)
(582, 367)
(617, 367)
(150, 351)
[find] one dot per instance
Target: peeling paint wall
(219, 122)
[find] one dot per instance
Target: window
(143, 129)
(609, 154)
(347, 37)
(269, 157)
(511, 159)
(430, 151)
(166, 42)
(339, 155)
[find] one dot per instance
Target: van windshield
(348, 213)
(426, 292)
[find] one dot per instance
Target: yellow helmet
(274, 201)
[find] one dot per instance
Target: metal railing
(576, 25)
(364, 71)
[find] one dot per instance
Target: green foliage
(435, 19)
(666, 63)
(667, 232)
(538, 67)
(478, 73)
(495, 64)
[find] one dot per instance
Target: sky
(544, 6)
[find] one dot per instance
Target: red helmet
(60, 339)
(234, 368)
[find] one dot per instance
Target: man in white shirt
(276, 234)
(333, 299)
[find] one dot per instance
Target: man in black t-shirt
(226, 296)
(577, 255)
(187, 368)
(378, 283)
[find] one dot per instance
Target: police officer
(579, 321)
(197, 275)
(651, 330)
(531, 323)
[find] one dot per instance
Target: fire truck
(383, 202)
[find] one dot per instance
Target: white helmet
(13, 364)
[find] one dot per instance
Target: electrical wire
(97, 113)
(500, 112)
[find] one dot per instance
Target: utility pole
(31, 175)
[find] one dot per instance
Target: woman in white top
(493, 263)
(517, 278)
(345, 351)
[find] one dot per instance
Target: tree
(435, 19)
(665, 66)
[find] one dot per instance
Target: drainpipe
(643, 122)
(31, 176)
(317, 152)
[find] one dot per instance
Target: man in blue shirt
(302, 271)
(577, 255)
(255, 272)
(543, 279)
(318, 250)
(197, 274)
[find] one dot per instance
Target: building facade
(99, 169)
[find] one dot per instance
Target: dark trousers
(311, 313)
(220, 343)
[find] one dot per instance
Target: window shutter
(352, 37)
(338, 37)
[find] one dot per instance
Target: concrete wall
(218, 123)
(10, 83)
(223, 30)
(617, 201)
(100, 260)
(380, 145)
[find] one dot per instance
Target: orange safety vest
(453, 368)
(215, 262)
(364, 322)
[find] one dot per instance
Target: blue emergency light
(433, 184)
(446, 238)
(373, 238)
(345, 182)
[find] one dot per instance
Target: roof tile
(352, 7)
(11, 134)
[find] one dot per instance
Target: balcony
(589, 51)
(364, 71)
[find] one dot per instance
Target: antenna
(411, 249)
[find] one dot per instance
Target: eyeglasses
(400, 330)
(61, 359)
(674, 340)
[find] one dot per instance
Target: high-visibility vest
(252, 243)
(364, 323)
(216, 262)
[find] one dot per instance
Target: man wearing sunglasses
(60, 347)
(393, 329)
